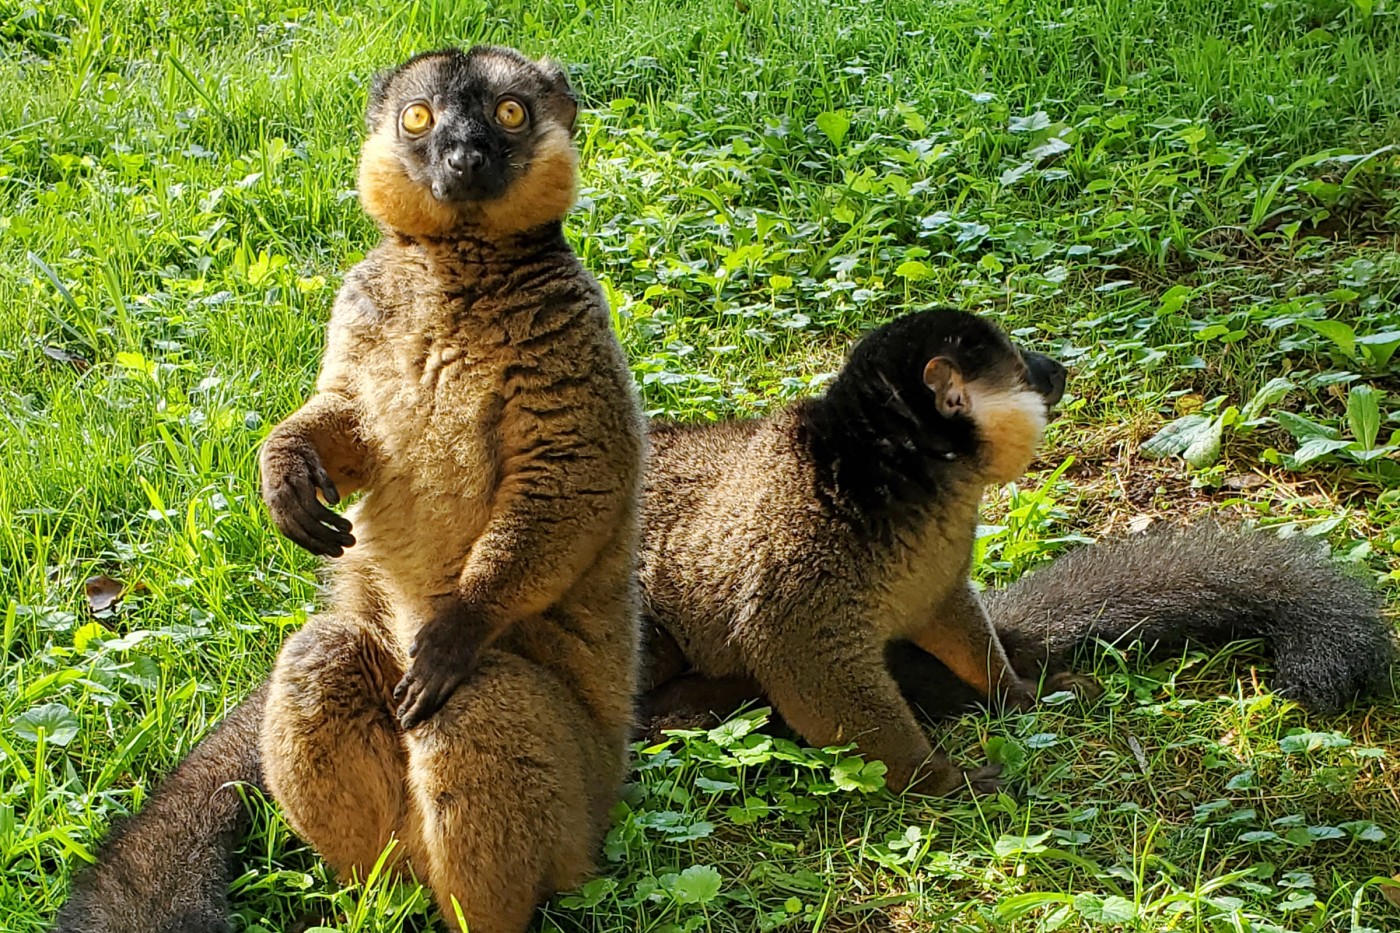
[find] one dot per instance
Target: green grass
(1185, 200)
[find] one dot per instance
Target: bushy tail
(1207, 585)
(1202, 584)
(166, 869)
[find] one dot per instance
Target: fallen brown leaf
(1244, 481)
(1391, 892)
(60, 355)
(102, 592)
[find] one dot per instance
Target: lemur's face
(477, 142)
(1045, 376)
(976, 372)
(965, 380)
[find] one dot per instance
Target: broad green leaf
(1302, 428)
(1365, 830)
(1106, 911)
(698, 884)
(1051, 147)
(853, 774)
(1298, 900)
(1015, 174)
(1020, 845)
(1004, 751)
(1033, 123)
(753, 749)
(55, 720)
(1314, 448)
(1337, 332)
(692, 831)
(834, 123)
(1375, 453)
(731, 732)
(1118, 909)
(1176, 437)
(1173, 299)
(714, 787)
(1325, 832)
(1204, 448)
(913, 270)
(85, 635)
(1305, 742)
(1364, 415)
(1271, 394)
(1380, 347)
(1245, 780)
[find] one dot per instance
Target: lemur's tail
(166, 869)
(1202, 584)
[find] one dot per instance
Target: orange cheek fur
(544, 194)
(1011, 425)
(395, 200)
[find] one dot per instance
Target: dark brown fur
(790, 550)
(166, 869)
(468, 689)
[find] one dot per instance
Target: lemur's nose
(464, 161)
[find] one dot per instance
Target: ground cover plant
(1193, 204)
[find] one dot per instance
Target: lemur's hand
(443, 656)
(292, 475)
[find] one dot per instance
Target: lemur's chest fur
(923, 567)
(426, 366)
(435, 398)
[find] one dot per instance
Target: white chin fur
(1010, 425)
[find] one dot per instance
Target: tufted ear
(378, 91)
(562, 93)
(949, 388)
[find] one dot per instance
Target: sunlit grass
(1174, 197)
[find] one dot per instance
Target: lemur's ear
(378, 90)
(563, 94)
(950, 390)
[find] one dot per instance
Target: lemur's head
(964, 379)
(477, 142)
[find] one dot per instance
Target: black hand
(444, 654)
(291, 479)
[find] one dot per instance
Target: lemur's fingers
(314, 529)
(984, 780)
(300, 515)
(322, 514)
(315, 537)
(327, 487)
(423, 694)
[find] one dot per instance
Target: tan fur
(1013, 423)
(547, 191)
(753, 576)
(386, 192)
(494, 430)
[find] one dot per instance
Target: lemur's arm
(321, 447)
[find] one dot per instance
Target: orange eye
(416, 119)
(510, 114)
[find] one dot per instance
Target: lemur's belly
(438, 433)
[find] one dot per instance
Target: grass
(1187, 201)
